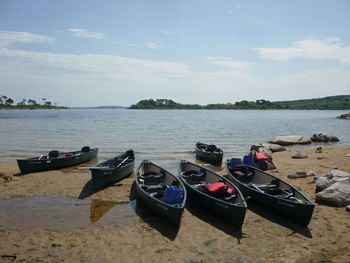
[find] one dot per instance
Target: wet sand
(98, 233)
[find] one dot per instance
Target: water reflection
(63, 213)
(98, 208)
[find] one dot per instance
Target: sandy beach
(142, 237)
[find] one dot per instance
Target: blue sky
(91, 53)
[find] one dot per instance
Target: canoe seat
(85, 149)
(193, 176)
(152, 177)
(242, 173)
(53, 154)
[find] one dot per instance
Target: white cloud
(115, 80)
(84, 33)
(7, 38)
(99, 64)
(226, 62)
(153, 45)
(329, 48)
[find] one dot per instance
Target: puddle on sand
(62, 213)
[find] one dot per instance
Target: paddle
(123, 161)
(95, 167)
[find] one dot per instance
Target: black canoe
(270, 191)
(209, 153)
(55, 160)
(161, 191)
(231, 207)
(113, 170)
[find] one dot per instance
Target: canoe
(56, 160)
(270, 191)
(161, 191)
(113, 170)
(209, 153)
(213, 192)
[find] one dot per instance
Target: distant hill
(341, 102)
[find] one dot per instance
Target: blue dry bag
(173, 195)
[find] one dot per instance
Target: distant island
(341, 102)
(9, 103)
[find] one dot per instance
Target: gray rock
(301, 174)
(348, 155)
(310, 173)
(265, 151)
(345, 116)
(299, 155)
(320, 137)
(348, 208)
(339, 173)
(337, 194)
(322, 183)
(291, 139)
(273, 147)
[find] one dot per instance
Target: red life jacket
(260, 156)
(219, 189)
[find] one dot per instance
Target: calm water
(163, 136)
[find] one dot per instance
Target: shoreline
(265, 237)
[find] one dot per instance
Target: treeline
(327, 103)
(7, 102)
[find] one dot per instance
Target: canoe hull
(300, 213)
(35, 165)
(230, 212)
(214, 158)
(170, 213)
(102, 177)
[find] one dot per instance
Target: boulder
(273, 147)
(290, 140)
(322, 183)
(299, 155)
(345, 116)
(320, 137)
(339, 173)
(338, 194)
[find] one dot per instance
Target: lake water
(162, 136)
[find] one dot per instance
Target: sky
(91, 53)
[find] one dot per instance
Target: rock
(337, 194)
(319, 149)
(273, 147)
(265, 151)
(320, 137)
(322, 183)
(300, 174)
(345, 116)
(310, 173)
(348, 208)
(291, 139)
(299, 155)
(339, 173)
(348, 155)
(321, 158)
